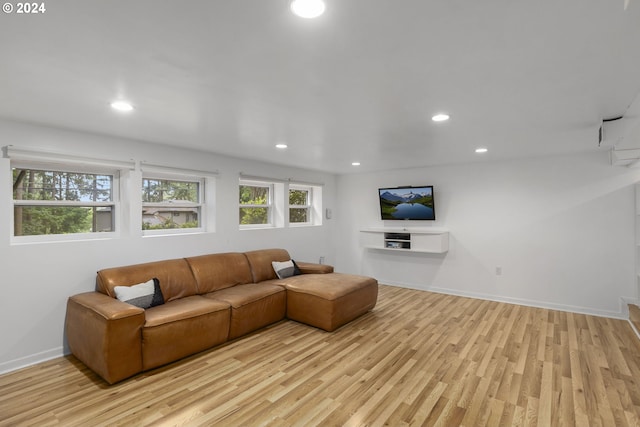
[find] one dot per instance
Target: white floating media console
(408, 240)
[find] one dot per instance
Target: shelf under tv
(406, 240)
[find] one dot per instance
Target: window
(55, 202)
(171, 204)
(278, 203)
(255, 203)
(299, 205)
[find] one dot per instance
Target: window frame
(71, 167)
(177, 177)
(308, 206)
(269, 205)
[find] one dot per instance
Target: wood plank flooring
(419, 358)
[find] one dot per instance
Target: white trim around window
(102, 212)
(315, 204)
(300, 213)
(253, 212)
(175, 213)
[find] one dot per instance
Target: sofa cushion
(285, 269)
(328, 286)
(312, 268)
(143, 295)
(219, 271)
(176, 279)
(260, 262)
(184, 308)
(240, 295)
(181, 328)
(253, 306)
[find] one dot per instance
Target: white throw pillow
(143, 295)
(284, 269)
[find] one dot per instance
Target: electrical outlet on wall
(498, 271)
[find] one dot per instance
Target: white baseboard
(624, 301)
(510, 300)
(33, 359)
(634, 328)
(624, 305)
(629, 300)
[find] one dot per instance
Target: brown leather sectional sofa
(209, 299)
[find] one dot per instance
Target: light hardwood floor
(418, 359)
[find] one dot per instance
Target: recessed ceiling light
(481, 150)
(308, 8)
(281, 146)
(355, 164)
(441, 117)
(122, 106)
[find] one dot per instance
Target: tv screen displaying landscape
(407, 203)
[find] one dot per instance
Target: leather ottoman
(331, 302)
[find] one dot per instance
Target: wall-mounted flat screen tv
(407, 203)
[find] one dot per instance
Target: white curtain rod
(270, 179)
(44, 156)
(172, 169)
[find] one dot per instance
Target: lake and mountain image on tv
(407, 203)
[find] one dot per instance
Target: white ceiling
(360, 83)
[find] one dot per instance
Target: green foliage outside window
(298, 215)
(298, 198)
(42, 220)
(29, 184)
(258, 198)
(163, 190)
(168, 224)
(52, 190)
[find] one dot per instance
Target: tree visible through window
(168, 204)
(299, 205)
(255, 204)
(57, 202)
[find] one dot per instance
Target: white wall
(561, 229)
(36, 279)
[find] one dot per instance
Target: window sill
(258, 227)
(62, 238)
(170, 233)
(303, 224)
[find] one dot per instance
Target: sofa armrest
(105, 334)
(311, 268)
